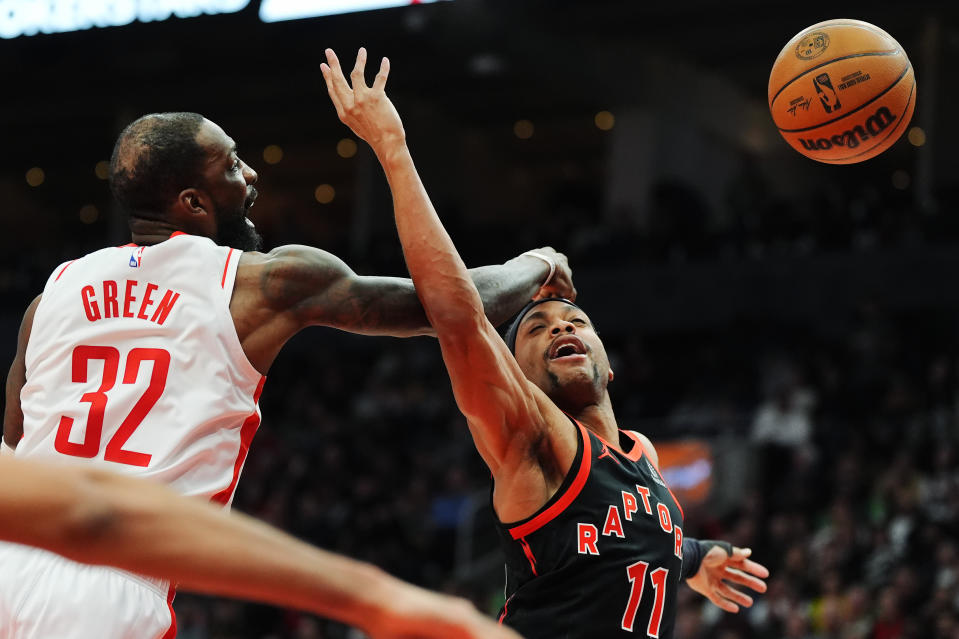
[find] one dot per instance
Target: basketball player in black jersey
(594, 539)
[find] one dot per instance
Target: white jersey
(134, 361)
(134, 364)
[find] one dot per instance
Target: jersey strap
(563, 497)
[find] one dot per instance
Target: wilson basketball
(842, 91)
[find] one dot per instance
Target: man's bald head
(155, 158)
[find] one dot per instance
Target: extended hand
(718, 568)
(366, 110)
(561, 284)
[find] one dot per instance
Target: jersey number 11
(636, 573)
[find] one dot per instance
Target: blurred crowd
(854, 499)
(850, 428)
(749, 218)
(856, 505)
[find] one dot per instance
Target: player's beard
(572, 394)
(236, 231)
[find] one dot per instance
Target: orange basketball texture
(842, 91)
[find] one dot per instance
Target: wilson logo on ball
(872, 127)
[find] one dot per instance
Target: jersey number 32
(115, 451)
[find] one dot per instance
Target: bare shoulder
(650, 449)
(288, 274)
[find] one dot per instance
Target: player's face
(559, 351)
(228, 181)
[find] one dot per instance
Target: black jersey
(602, 558)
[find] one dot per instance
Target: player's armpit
(16, 378)
(509, 416)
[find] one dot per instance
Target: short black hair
(155, 157)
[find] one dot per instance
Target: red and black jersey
(602, 558)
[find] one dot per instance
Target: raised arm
(97, 517)
(509, 417)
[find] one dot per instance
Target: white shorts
(45, 596)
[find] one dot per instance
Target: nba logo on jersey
(655, 474)
(135, 257)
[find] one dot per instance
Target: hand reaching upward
(366, 110)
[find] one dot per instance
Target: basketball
(842, 91)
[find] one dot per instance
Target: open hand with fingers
(719, 569)
(365, 109)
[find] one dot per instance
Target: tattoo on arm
(318, 288)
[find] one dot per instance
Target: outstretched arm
(709, 568)
(94, 516)
(508, 416)
(277, 294)
(314, 287)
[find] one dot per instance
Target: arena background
(785, 331)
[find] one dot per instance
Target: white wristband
(548, 260)
(4, 449)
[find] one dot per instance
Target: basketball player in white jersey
(103, 518)
(150, 358)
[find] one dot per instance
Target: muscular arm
(16, 378)
(94, 516)
(317, 288)
(519, 433)
(277, 294)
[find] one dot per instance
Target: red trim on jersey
(63, 269)
(226, 267)
(639, 445)
(247, 431)
(529, 555)
(678, 505)
(503, 616)
(171, 632)
(133, 244)
(558, 506)
(634, 453)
